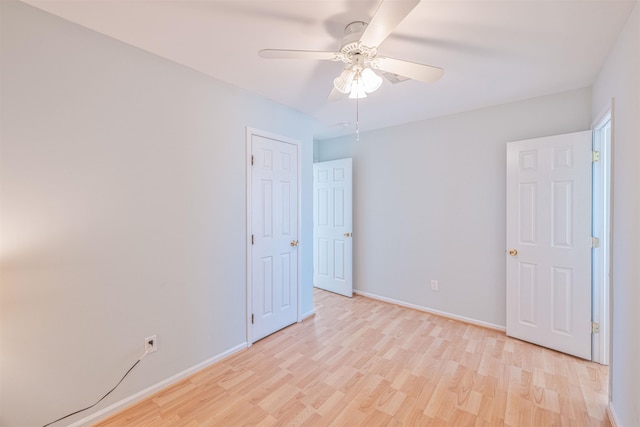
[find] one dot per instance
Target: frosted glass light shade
(371, 81)
(357, 90)
(344, 81)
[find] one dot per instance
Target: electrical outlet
(151, 344)
(434, 285)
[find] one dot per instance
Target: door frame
(250, 132)
(602, 229)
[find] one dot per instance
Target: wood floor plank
(361, 362)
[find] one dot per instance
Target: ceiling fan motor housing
(351, 40)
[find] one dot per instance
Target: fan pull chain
(357, 119)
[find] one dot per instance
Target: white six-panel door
(332, 226)
(274, 235)
(549, 242)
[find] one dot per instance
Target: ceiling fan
(359, 50)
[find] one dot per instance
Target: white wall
(620, 79)
(123, 215)
(429, 202)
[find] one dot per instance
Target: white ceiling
(492, 51)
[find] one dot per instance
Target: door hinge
(595, 242)
(252, 319)
(252, 160)
(252, 239)
(595, 327)
(595, 156)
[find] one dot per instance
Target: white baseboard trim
(134, 398)
(307, 315)
(432, 311)
(613, 418)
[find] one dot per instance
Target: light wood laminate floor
(365, 362)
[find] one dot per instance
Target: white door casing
(602, 138)
(332, 226)
(273, 228)
(549, 242)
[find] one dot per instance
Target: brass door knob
(348, 234)
(513, 252)
(294, 243)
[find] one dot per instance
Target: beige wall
(122, 215)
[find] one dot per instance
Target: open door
(549, 242)
(332, 226)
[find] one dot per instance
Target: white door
(274, 235)
(549, 242)
(332, 226)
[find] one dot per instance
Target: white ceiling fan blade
(388, 16)
(297, 54)
(335, 95)
(421, 72)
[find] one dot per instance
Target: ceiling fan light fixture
(358, 79)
